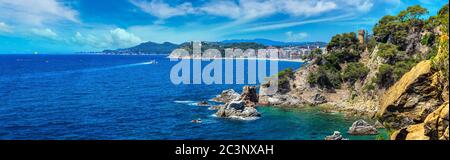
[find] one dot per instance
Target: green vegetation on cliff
(403, 40)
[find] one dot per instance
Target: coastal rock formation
(240, 106)
(410, 99)
(227, 96)
(361, 127)
(237, 109)
(417, 105)
(249, 96)
(434, 127)
(336, 136)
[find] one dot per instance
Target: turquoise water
(125, 97)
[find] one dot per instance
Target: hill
(145, 48)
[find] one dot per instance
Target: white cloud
(121, 37)
(46, 33)
(292, 24)
(163, 10)
(222, 8)
(360, 5)
(252, 9)
(35, 12)
(115, 38)
(296, 36)
(4, 27)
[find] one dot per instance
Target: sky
(65, 26)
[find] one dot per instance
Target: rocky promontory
(398, 75)
(241, 106)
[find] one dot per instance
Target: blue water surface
(126, 97)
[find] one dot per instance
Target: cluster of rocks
(238, 105)
(237, 109)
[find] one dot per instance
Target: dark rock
(203, 103)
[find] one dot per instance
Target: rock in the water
(237, 109)
(203, 103)
(361, 127)
(249, 96)
(227, 96)
(336, 136)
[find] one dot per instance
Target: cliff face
(351, 99)
(417, 105)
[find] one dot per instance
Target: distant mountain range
(146, 48)
(167, 47)
(268, 42)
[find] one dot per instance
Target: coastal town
(296, 53)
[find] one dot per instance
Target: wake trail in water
(88, 70)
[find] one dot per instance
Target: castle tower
(361, 36)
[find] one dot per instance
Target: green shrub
(325, 78)
(427, 39)
(389, 52)
(284, 76)
(354, 71)
(369, 87)
(384, 76)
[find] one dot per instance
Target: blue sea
(106, 97)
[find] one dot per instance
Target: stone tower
(361, 36)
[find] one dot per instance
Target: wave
(190, 103)
(239, 118)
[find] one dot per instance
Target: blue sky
(52, 26)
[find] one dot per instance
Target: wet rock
(361, 127)
(336, 136)
(203, 103)
(237, 109)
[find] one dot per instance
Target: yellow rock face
(436, 124)
(416, 132)
(398, 89)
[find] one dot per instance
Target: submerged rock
(361, 127)
(227, 96)
(203, 103)
(336, 136)
(237, 109)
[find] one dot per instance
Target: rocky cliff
(417, 105)
(400, 77)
